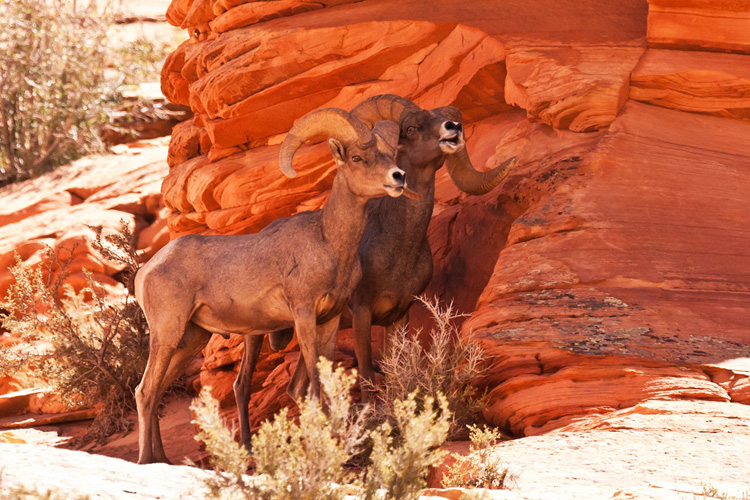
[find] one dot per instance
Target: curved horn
(382, 107)
(331, 122)
(469, 180)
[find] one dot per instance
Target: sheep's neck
(344, 219)
(411, 217)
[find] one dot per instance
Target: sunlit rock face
(609, 268)
(54, 211)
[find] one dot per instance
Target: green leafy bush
(95, 347)
(447, 367)
(307, 460)
(61, 79)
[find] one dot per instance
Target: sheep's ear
(339, 153)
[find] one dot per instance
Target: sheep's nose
(398, 176)
(449, 125)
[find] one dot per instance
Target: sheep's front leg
(307, 333)
(253, 344)
(327, 337)
(326, 341)
(297, 388)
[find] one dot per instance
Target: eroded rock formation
(53, 211)
(607, 270)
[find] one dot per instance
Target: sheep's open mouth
(393, 190)
(449, 143)
(450, 140)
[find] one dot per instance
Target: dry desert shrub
(20, 492)
(711, 491)
(63, 78)
(24, 493)
(447, 367)
(88, 347)
(307, 460)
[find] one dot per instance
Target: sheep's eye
(356, 159)
(197, 34)
(410, 130)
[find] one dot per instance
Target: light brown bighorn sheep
(298, 272)
(395, 254)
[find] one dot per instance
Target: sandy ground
(659, 450)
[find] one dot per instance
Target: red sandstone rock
(9, 384)
(272, 396)
(8, 437)
(16, 403)
(699, 82)
(591, 270)
(233, 15)
(53, 210)
(50, 418)
(700, 24)
(593, 273)
(580, 88)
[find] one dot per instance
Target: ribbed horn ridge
(382, 107)
(469, 180)
(331, 122)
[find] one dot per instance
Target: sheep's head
(364, 157)
(431, 138)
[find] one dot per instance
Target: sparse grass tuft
(710, 491)
(482, 467)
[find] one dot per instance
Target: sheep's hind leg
(253, 344)
(147, 400)
(192, 343)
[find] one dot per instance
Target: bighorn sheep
(298, 273)
(395, 255)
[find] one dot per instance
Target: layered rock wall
(608, 269)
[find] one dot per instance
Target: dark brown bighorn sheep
(395, 254)
(298, 273)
